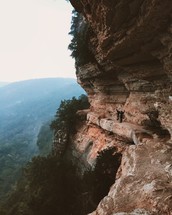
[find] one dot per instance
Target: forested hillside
(52, 184)
(25, 107)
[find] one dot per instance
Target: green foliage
(44, 141)
(79, 45)
(65, 119)
(24, 107)
(66, 116)
(11, 162)
(51, 185)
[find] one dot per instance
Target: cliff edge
(130, 70)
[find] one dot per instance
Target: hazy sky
(34, 39)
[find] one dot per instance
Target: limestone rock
(131, 41)
(145, 181)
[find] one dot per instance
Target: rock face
(131, 41)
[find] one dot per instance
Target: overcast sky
(34, 39)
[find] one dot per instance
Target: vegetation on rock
(44, 141)
(52, 184)
(66, 116)
(79, 45)
(25, 107)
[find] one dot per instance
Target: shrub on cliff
(44, 139)
(79, 45)
(48, 186)
(51, 185)
(65, 118)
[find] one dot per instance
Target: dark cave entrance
(98, 181)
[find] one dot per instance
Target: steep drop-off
(131, 71)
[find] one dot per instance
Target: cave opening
(98, 181)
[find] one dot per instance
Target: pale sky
(34, 39)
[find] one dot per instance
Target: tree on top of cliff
(66, 114)
(79, 45)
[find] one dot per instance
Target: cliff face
(132, 71)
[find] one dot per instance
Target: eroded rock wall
(131, 71)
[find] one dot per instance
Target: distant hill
(2, 84)
(24, 107)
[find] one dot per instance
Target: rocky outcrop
(131, 42)
(144, 181)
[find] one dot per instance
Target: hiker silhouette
(120, 115)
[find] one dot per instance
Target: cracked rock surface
(131, 41)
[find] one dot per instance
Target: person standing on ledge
(120, 115)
